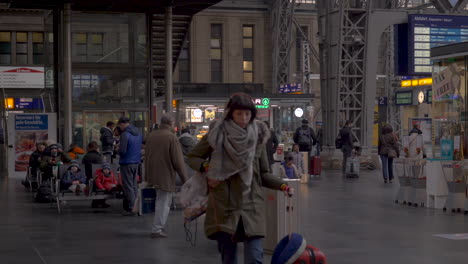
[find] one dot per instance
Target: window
(216, 55)
(184, 61)
(96, 50)
(80, 50)
(21, 48)
(299, 51)
(248, 56)
(38, 47)
(5, 47)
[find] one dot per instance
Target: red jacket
(103, 182)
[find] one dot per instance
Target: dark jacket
(312, 138)
(107, 140)
(92, 157)
(415, 130)
(187, 143)
(35, 161)
(70, 177)
(346, 138)
(164, 157)
(271, 146)
(130, 146)
(386, 142)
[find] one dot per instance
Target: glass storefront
(110, 72)
(449, 108)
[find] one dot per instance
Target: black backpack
(44, 194)
(304, 137)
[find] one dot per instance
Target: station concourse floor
(351, 221)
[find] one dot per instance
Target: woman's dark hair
(240, 101)
(387, 129)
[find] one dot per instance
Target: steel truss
(282, 19)
(351, 68)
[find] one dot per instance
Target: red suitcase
(315, 165)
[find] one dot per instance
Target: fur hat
(53, 146)
(289, 249)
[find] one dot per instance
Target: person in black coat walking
(107, 140)
(271, 144)
(305, 137)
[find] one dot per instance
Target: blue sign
(28, 103)
(429, 31)
(290, 88)
(31, 122)
(382, 100)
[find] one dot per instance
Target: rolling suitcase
(315, 166)
(352, 167)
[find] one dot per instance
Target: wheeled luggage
(315, 165)
(352, 167)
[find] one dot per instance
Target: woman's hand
(212, 182)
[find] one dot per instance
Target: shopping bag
(194, 197)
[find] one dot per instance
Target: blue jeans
(253, 249)
(387, 167)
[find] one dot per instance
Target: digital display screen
(429, 31)
(403, 98)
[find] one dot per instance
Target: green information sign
(262, 103)
(404, 98)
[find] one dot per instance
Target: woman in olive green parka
(233, 156)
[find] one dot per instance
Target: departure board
(428, 31)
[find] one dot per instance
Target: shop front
(283, 112)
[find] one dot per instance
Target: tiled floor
(352, 221)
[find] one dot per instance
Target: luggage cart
(456, 184)
(418, 182)
(403, 191)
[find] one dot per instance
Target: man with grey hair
(163, 159)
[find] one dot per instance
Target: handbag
(392, 153)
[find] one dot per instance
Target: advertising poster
(446, 149)
(24, 132)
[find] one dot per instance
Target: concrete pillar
(67, 77)
(169, 60)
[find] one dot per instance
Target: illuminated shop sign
(416, 82)
(261, 102)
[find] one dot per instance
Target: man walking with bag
(164, 157)
(305, 137)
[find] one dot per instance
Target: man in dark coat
(305, 137)
(271, 144)
(347, 142)
(92, 157)
(107, 140)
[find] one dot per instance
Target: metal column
(67, 77)
(169, 80)
(282, 16)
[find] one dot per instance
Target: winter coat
(226, 204)
(387, 142)
(74, 151)
(35, 161)
(187, 142)
(298, 160)
(92, 157)
(105, 182)
(163, 158)
(69, 177)
(283, 174)
(312, 138)
(107, 140)
(346, 139)
(61, 156)
(130, 146)
(271, 146)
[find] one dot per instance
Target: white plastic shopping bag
(194, 197)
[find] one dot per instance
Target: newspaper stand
(456, 185)
(416, 170)
(403, 191)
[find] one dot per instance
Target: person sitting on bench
(74, 180)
